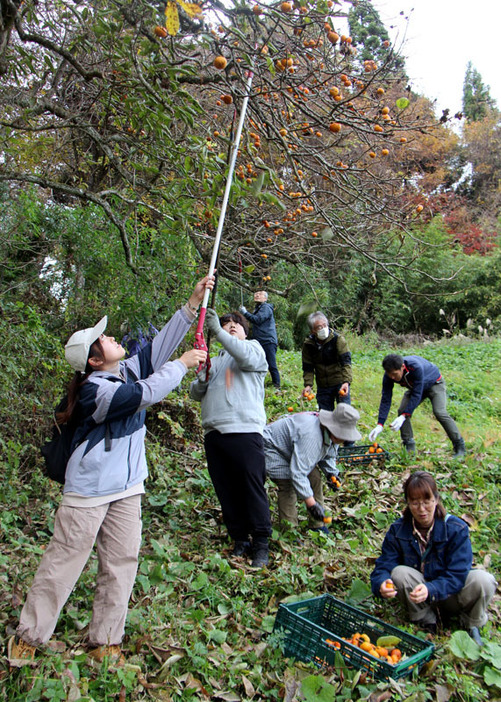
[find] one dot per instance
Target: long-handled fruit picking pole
(199, 335)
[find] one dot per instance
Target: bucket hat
(77, 348)
(342, 422)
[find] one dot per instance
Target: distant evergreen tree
(477, 100)
(369, 34)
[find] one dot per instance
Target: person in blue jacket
(422, 380)
(105, 477)
(264, 330)
(426, 562)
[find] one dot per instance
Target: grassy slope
(199, 622)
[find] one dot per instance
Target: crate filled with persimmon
(362, 453)
(327, 632)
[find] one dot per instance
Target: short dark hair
(237, 318)
(393, 361)
(422, 484)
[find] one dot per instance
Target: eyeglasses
(424, 503)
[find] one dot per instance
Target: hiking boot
(475, 635)
(410, 446)
(112, 653)
(19, 652)
(459, 448)
(241, 548)
(260, 555)
(260, 558)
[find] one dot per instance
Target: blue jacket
(447, 560)
(116, 405)
(263, 323)
(419, 376)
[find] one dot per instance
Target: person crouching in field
(295, 446)
(104, 481)
(426, 562)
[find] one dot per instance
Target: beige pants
(115, 528)
(287, 498)
(470, 603)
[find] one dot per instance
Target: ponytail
(66, 415)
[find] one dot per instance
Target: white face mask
(322, 333)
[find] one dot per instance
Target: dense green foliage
(199, 624)
(477, 100)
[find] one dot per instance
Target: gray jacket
(294, 445)
(233, 398)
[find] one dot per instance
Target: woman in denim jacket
(426, 562)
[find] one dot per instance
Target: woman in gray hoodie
(233, 419)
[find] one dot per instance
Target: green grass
(199, 623)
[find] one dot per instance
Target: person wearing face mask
(327, 360)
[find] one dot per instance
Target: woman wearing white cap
(105, 475)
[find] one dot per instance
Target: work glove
(375, 432)
(317, 512)
(334, 481)
(397, 423)
(212, 320)
(243, 309)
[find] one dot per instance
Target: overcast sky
(440, 37)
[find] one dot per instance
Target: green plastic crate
(306, 626)
(357, 455)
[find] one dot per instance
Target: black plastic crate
(313, 630)
(360, 454)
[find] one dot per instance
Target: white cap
(77, 348)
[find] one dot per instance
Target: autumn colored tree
(101, 104)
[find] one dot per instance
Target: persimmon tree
(101, 103)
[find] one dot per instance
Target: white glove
(375, 432)
(243, 309)
(212, 320)
(397, 423)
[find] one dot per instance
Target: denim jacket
(445, 564)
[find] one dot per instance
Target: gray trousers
(438, 398)
(470, 603)
(116, 530)
(287, 498)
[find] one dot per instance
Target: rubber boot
(459, 448)
(410, 446)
